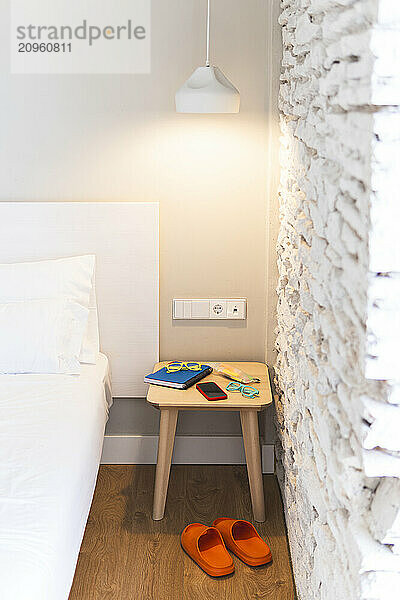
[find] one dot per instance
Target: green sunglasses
(247, 390)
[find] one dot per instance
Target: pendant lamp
(208, 90)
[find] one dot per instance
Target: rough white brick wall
(338, 339)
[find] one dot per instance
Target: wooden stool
(170, 401)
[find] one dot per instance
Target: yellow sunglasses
(175, 366)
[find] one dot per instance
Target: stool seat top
(191, 399)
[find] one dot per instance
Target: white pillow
(42, 336)
(61, 278)
(91, 341)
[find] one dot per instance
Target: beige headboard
(124, 236)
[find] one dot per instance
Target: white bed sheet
(51, 437)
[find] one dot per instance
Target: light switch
(182, 309)
(178, 309)
(187, 309)
(200, 309)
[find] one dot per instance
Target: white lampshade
(207, 91)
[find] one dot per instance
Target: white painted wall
(338, 307)
(112, 137)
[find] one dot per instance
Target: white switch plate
(214, 309)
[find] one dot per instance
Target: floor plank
(125, 554)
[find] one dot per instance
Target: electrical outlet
(218, 309)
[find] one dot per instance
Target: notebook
(181, 380)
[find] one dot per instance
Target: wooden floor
(126, 555)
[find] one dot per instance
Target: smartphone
(211, 391)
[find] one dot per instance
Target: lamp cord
(208, 34)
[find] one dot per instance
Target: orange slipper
(206, 547)
(242, 538)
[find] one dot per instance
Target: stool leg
(166, 441)
(251, 439)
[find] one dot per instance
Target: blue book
(181, 380)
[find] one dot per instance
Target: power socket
(218, 309)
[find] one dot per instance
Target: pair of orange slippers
(207, 546)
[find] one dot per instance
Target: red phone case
(222, 397)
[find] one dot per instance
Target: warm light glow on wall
(192, 156)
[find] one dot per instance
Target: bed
(51, 437)
(52, 425)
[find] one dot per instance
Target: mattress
(51, 437)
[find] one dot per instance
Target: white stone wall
(338, 341)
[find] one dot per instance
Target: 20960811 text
(44, 47)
